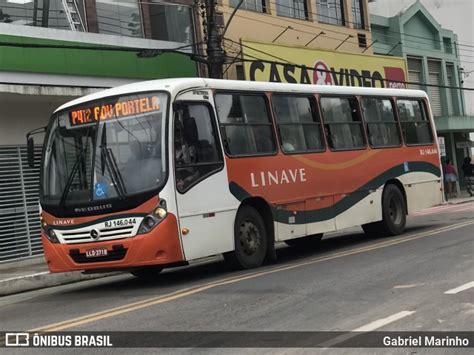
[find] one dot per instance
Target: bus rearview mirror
(31, 152)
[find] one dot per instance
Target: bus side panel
(295, 225)
(422, 190)
(369, 209)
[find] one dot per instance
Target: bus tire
(308, 242)
(250, 240)
(394, 214)
(148, 273)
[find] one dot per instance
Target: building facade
(337, 25)
(43, 66)
(434, 65)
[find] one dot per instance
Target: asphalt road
(420, 281)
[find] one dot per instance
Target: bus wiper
(70, 179)
(107, 156)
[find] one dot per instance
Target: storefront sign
(321, 67)
(442, 146)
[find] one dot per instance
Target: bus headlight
(49, 233)
(153, 219)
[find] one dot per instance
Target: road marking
(460, 288)
(379, 323)
(200, 288)
(25, 276)
(408, 286)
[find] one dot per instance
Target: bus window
(342, 123)
(382, 127)
(298, 126)
(245, 124)
(196, 153)
(415, 124)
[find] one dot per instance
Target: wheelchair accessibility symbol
(100, 189)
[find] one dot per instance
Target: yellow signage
(114, 110)
(276, 63)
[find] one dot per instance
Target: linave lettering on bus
(321, 74)
(268, 178)
(117, 110)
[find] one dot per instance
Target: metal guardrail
(19, 205)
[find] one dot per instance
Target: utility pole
(215, 53)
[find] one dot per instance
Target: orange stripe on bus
(336, 166)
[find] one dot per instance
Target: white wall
(20, 114)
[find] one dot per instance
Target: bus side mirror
(31, 152)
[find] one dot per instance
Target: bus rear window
(415, 124)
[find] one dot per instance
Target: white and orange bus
(155, 174)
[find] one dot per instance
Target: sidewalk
(463, 198)
(32, 274)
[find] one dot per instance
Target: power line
(320, 28)
(287, 62)
(366, 25)
(93, 48)
(344, 33)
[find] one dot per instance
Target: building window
(415, 125)
(245, 124)
(382, 127)
(251, 5)
(358, 13)
(121, 18)
(331, 11)
(171, 22)
(298, 125)
(342, 123)
(434, 79)
(38, 13)
(292, 8)
(414, 73)
(451, 94)
(448, 46)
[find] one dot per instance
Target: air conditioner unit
(220, 19)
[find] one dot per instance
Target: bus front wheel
(250, 240)
(394, 214)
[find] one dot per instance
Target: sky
(455, 15)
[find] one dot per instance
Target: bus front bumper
(161, 246)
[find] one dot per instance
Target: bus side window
(382, 127)
(342, 123)
(299, 126)
(245, 124)
(414, 121)
(197, 155)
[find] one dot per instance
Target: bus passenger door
(205, 206)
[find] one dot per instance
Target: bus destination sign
(118, 109)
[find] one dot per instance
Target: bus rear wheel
(309, 242)
(394, 214)
(148, 273)
(250, 240)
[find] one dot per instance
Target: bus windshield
(107, 149)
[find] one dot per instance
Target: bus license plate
(94, 253)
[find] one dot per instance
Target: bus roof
(177, 85)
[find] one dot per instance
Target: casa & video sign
(321, 67)
(119, 109)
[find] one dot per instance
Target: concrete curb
(43, 280)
